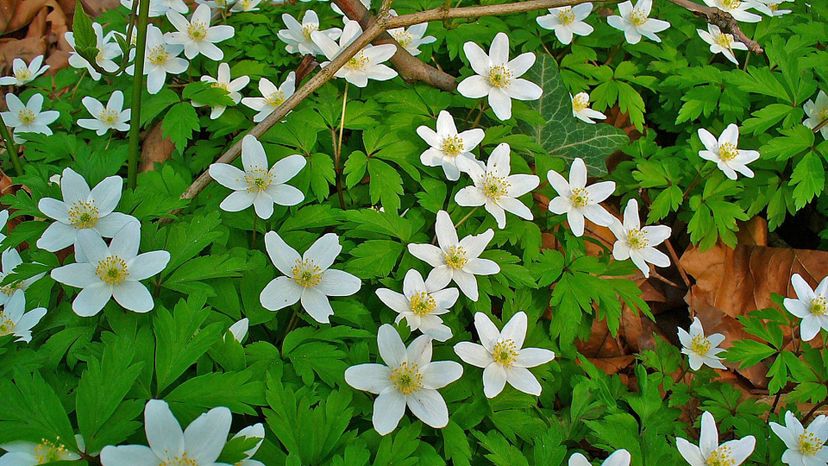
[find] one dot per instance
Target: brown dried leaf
(156, 148)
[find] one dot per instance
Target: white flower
(28, 118)
(455, 259)
(10, 260)
(245, 5)
(161, 7)
(200, 444)
(308, 278)
(725, 152)
(239, 329)
(701, 349)
(32, 454)
(272, 96)
(721, 42)
(810, 305)
(4, 218)
(335, 8)
(737, 9)
(257, 185)
(494, 188)
(421, 304)
(161, 58)
(216, 4)
(14, 320)
(770, 7)
(817, 113)
(297, 37)
(115, 271)
(502, 355)
(196, 35)
(567, 21)
(366, 64)
(255, 431)
(408, 378)
(709, 452)
(411, 38)
(447, 145)
(579, 201)
(636, 21)
(82, 209)
(806, 447)
(23, 74)
(581, 110)
(617, 458)
(112, 116)
(107, 51)
(497, 77)
(638, 244)
(222, 80)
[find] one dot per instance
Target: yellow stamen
(26, 116)
(197, 31)
(819, 306)
(700, 345)
(306, 273)
(258, 180)
(637, 17)
(637, 239)
(83, 214)
(500, 76)
(722, 456)
(456, 257)
(112, 270)
(566, 16)
(422, 304)
(580, 102)
(158, 55)
(452, 146)
(505, 352)
(407, 378)
(495, 187)
(358, 62)
(579, 197)
(728, 152)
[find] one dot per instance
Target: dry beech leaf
(155, 148)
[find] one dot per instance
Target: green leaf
(456, 444)
(104, 418)
(559, 132)
(385, 185)
(235, 390)
(374, 258)
(31, 410)
(190, 277)
(808, 179)
(86, 43)
(181, 339)
(749, 352)
(179, 123)
(205, 93)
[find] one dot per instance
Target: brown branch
(723, 20)
(410, 67)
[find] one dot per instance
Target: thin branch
(439, 14)
(723, 20)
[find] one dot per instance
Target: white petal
(133, 296)
(389, 408)
(164, 434)
(523, 380)
(531, 357)
(316, 304)
(430, 407)
(206, 435)
(494, 379)
(91, 300)
(280, 293)
(474, 354)
(373, 378)
(338, 283)
(323, 252)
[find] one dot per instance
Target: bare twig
(723, 20)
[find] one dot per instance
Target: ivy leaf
(559, 132)
(179, 123)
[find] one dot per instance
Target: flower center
(23, 74)
(579, 197)
(724, 41)
(275, 99)
(700, 345)
(83, 214)
(109, 116)
(403, 37)
(308, 29)
(823, 114)
(809, 444)
(158, 55)
(358, 62)
(456, 257)
(183, 460)
(306, 273)
(495, 187)
(6, 325)
(773, 6)
(500, 76)
(422, 304)
(566, 16)
(452, 145)
(26, 116)
(223, 86)
(722, 456)
(728, 152)
(100, 57)
(47, 452)
(819, 306)
(580, 102)
(258, 180)
(505, 352)
(407, 378)
(9, 289)
(112, 270)
(731, 4)
(245, 4)
(637, 239)
(637, 17)
(197, 31)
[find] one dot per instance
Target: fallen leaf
(155, 148)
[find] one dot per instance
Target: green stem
(338, 150)
(253, 233)
(468, 216)
(11, 148)
(137, 88)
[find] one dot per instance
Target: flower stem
(338, 150)
(11, 148)
(468, 216)
(253, 233)
(137, 88)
